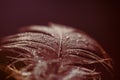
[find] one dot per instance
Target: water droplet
(67, 37)
(77, 40)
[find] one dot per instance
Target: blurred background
(99, 18)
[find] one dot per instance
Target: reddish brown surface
(99, 19)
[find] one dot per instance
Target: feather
(54, 52)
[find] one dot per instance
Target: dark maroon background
(97, 18)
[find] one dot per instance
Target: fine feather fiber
(54, 52)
